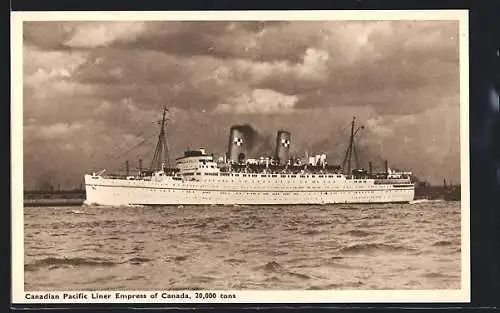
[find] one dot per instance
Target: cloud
(335, 61)
(84, 35)
(50, 132)
(42, 66)
(400, 78)
(265, 41)
(377, 127)
(48, 35)
(259, 101)
(94, 35)
(67, 151)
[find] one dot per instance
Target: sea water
(343, 247)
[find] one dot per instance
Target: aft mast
(351, 149)
(161, 159)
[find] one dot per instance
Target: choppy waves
(366, 248)
(52, 263)
(244, 247)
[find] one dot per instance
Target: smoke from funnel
(249, 133)
(283, 146)
(245, 141)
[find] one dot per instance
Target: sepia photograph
(240, 152)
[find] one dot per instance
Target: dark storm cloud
(48, 35)
(152, 78)
(181, 38)
(412, 61)
(60, 35)
(265, 41)
(220, 39)
(318, 62)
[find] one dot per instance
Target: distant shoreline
(54, 194)
(41, 198)
(52, 202)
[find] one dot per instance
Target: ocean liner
(198, 177)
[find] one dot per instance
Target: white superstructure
(198, 179)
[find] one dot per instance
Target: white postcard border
(19, 296)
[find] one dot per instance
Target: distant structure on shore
(448, 191)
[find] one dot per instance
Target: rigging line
(117, 148)
(121, 147)
(110, 154)
(342, 143)
(363, 157)
(343, 129)
(134, 147)
(356, 159)
(143, 155)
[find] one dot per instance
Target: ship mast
(351, 149)
(161, 158)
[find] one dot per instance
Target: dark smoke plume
(249, 132)
(257, 144)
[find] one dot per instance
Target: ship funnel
(237, 145)
(283, 146)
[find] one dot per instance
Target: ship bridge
(196, 162)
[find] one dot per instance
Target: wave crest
(58, 262)
(373, 247)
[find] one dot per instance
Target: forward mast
(161, 159)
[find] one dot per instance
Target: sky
(94, 91)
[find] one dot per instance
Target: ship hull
(119, 192)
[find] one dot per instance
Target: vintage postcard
(240, 157)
